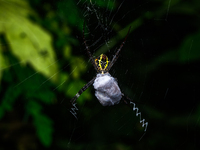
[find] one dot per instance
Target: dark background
(43, 64)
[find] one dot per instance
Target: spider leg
(130, 102)
(126, 99)
(117, 53)
(88, 49)
(73, 100)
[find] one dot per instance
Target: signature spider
(106, 87)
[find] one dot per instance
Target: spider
(106, 87)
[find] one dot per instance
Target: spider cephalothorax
(102, 63)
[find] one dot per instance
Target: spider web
(100, 27)
(87, 121)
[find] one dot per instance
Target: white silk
(107, 89)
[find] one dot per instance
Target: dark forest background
(43, 64)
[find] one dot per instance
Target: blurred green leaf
(68, 11)
(78, 66)
(9, 99)
(2, 64)
(67, 51)
(3, 61)
(104, 4)
(44, 129)
(43, 124)
(33, 107)
(44, 96)
(28, 41)
(190, 49)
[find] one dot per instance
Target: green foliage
(2, 61)
(69, 12)
(43, 123)
(8, 100)
(32, 93)
(187, 52)
(27, 40)
(190, 49)
(30, 44)
(110, 5)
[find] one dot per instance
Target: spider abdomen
(107, 89)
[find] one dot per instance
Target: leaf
(190, 49)
(68, 11)
(28, 41)
(43, 124)
(10, 97)
(105, 4)
(2, 62)
(44, 129)
(33, 107)
(44, 96)
(78, 66)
